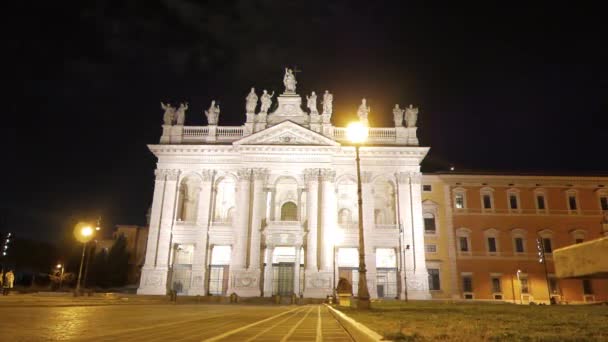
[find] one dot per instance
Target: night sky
(502, 89)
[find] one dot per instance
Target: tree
(118, 262)
(98, 274)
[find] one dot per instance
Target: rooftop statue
(251, 101)
(398, 116)
(181, 114)
(411, 116)
(312, 103)
(169, 113)
(213, 113)
(328, 99)
(289, 80)
(363, 112)
(266, 101)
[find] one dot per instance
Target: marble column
(312, 196)
(418, 283)
(241, 228)
(405, 216)
(203, 218)
(328, 217)
(257, 214)
(268, 272)
(369, 225)
(296, 269)
(151, 280)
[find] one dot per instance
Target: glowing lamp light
(84, 232)
(357, 133)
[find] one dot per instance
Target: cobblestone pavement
(170, 323)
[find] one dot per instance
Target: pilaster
(311, 177)
(328, 217)
(242, 220)
(199, 266)
(268, 271)
(368, 227)
(417, 281)
(257, 213)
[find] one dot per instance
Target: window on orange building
(524, 285)
(604, 202)
(492, 245)
(487, 201)
(547, 245)
(459, 201)
(467, 283)
(540, 202)
(429, 224)
(572, 205)
(519, 245)
(464, 244)
(496, 286)
(434, 282)
(587, 287)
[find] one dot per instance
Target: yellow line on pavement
(319, 326)
(271, 327)
(232, 332)
(296, 326)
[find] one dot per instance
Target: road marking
(232, 332)
(319, 328)
(296, 326)
(156, 326)
(271, 327)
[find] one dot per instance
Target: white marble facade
(270, 207)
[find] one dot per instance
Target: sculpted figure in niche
(213, 113)
(289, 80)
(266, 101)
(363, 112)
(169, 113)
(398, 116)
(312, 103)
(411, 116)
(251, 101)
(181, 113)
(328, 98)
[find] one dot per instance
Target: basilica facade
(270, 207)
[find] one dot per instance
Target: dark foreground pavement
(170, 323)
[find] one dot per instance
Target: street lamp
(83, 233)
(60, 266)
(357, 134)
(88, 256)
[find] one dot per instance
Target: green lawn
(434, 321)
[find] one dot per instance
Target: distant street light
(60, 266)
(83, 233)
(357, 134)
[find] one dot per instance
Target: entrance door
(283, 278)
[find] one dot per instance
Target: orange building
(499, 222)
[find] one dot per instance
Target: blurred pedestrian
(9, 280)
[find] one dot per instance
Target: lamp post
(357, 134)
(83, 233)
(60, 266)
(88, 256)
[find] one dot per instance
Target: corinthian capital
(415, 177)
(172, 175)
(328, 175)
(366, 176)
(207, 175)
(402, 177)
(160, 174)
(244, 174)
(311, 175)
(261, 174)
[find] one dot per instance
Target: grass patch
(471, 321)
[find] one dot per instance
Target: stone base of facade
(317, 284)
(153, 282)
(245, 283)
(418, 285)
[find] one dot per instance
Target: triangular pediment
(286, 133)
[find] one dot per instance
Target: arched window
(384, 202)
(225, 200)
(289, 212)
(345, 216)
(187, 204)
